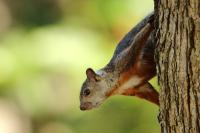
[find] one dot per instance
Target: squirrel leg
(145, 91)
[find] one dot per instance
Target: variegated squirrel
(128, 72)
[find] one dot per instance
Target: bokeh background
(45, 48)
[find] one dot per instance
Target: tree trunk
(178, 64)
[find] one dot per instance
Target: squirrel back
(128, 38)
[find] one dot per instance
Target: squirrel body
(128, 72)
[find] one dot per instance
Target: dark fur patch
(126, 41)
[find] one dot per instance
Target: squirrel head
(94, 89)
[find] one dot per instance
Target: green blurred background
(45, 48)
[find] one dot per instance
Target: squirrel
(128, 72)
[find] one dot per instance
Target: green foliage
(42, 69)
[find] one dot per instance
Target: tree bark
(178, 64)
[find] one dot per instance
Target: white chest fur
(131, 83)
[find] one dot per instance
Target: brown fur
(112, 92)
(125, 76)
(151, 95)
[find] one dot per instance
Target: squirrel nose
(82, 108)
(85, 106)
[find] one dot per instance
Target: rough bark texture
(178, 64)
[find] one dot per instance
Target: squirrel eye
(86, 92)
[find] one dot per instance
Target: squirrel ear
(90, 74)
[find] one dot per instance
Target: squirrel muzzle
(85, 106)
